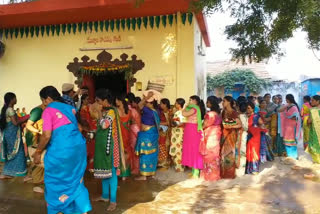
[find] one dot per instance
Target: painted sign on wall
(166, 80)
(104, 39)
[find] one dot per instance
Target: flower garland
(106, 68)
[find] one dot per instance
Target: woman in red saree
(254, 140)
(164, 138)
(210, 146)
(231, 139)
(266, 153)
(90, 127)
(135, 127)
(125, 121)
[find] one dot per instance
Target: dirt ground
(277, 189)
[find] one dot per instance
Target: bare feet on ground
(296, 167)
(3, 177)
(100, 199)
(309, 176)
(27, 178)
(162, 169)
(141, 178)
(112, 206)
(38, 190)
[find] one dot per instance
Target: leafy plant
(228, 80)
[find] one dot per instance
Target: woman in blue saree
(65, 160)
(12, 150)
(147, 146)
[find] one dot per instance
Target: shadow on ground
(277, 189)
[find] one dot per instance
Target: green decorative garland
(102, 26)
(229, 79)
(2, 49)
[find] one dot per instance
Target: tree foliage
(262, 25)
(229, 79)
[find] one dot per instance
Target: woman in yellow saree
(314, 136)
(305, 113)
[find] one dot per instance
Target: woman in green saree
(109, 150)
(314, 135)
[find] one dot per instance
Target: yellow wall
(32, 63)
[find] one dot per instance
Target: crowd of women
(120, 135)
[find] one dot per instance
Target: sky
(299, 60)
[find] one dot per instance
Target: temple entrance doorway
(116, 75)
(115, 82)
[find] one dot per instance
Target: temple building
(102, 44)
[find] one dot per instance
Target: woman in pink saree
(135, 127)
(290, 128)
(210, 146)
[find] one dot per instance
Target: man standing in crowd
(71, 97)
(69, 94)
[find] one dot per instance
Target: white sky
(297, 61)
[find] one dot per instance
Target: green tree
(262, 25)
(228, 80)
